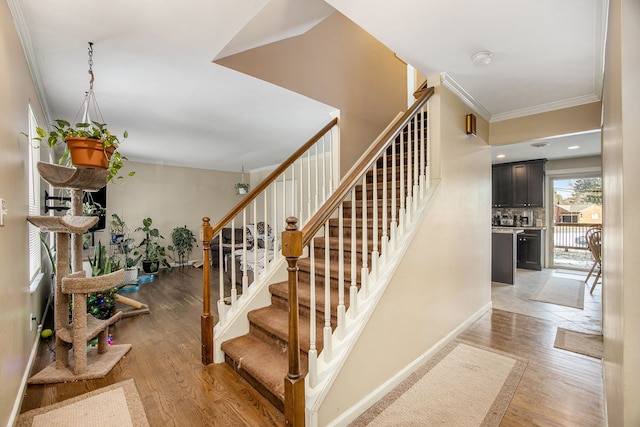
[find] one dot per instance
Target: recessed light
(501, 156)
(539, 144)
(573, 147)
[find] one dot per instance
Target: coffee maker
(526, 219)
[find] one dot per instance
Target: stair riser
(334, 231)
(305, 277)
(305, 310)
(264, 391)
(259, 332)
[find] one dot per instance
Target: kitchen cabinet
(501, 186)
(530, 250)
(518, 185)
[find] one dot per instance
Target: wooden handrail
(272, 177)
(327, 209)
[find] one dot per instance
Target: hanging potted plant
(87, 145)
(242, 187)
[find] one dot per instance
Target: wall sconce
(471, 125)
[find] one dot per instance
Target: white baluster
(309, 211)
(409, 186)
(393, 227)
(324, 169)
(301, 220)
(422, 154)
(313, 353)
(365, 246)
(416, 172)
(234, 291)
(327, 298)
(427, 173)
(245, 277)
(317, 184)
(341, 307)
(375, 254)
(401, 212)
(222, 309)
(353, 290)
(384, 242)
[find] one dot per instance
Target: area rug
(463, 385)
(561, 290)
(115, 405)
(580, 342)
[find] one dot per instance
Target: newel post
(206, 320)
(294, 400)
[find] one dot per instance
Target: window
(34, 202)
(595, 215)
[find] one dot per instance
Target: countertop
(514, 230)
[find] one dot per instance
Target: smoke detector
(483, 57)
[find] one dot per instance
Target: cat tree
(75, 328)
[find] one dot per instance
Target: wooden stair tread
(275, 321)
(261, 361)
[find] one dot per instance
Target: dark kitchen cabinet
(501, 186)
(530, 250)
(528, 184)
(518, 185)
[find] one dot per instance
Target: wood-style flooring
(558, 388)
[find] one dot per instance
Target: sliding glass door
(577, 207)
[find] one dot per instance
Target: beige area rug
(115, 405)
(580, 342)
(463, 385)
(561, 290)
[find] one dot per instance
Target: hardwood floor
(558, 388)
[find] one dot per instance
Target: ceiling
(154, 74)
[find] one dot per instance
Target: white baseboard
(25, 377)
(356, 410)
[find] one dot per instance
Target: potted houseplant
(117, 229)
(153, 254)
(183, 241)
(242, 188)
(88, 145)
(125, 246)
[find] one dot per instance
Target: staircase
(261, 356)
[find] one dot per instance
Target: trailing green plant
(183, 242)
(242, 185)
(117, 225)
(94, 130)
(150, 248)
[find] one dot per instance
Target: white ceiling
(155, 76)
(562, 147)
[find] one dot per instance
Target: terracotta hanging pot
(89, 153)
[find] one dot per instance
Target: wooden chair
(593, 238)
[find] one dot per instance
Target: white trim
(544, 108)
(30, 55)
(356, 410)
(455, 87)
(23, 384)
(586, 170)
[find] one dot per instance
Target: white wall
(17, 91)
(172, 197)
(445, 277)
(621, 204)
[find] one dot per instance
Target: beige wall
(445, 276)
(553, 123)
(172, 196)
(17, 91)
(621, 202)
(339, 64)
(573, 165)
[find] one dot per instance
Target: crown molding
(455, 87)
(29, 52)
(544, 108)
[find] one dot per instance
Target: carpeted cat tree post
(74, 361)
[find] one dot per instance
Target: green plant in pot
(126, 247)
(153, 254)
(88, 145)
(183, 242)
